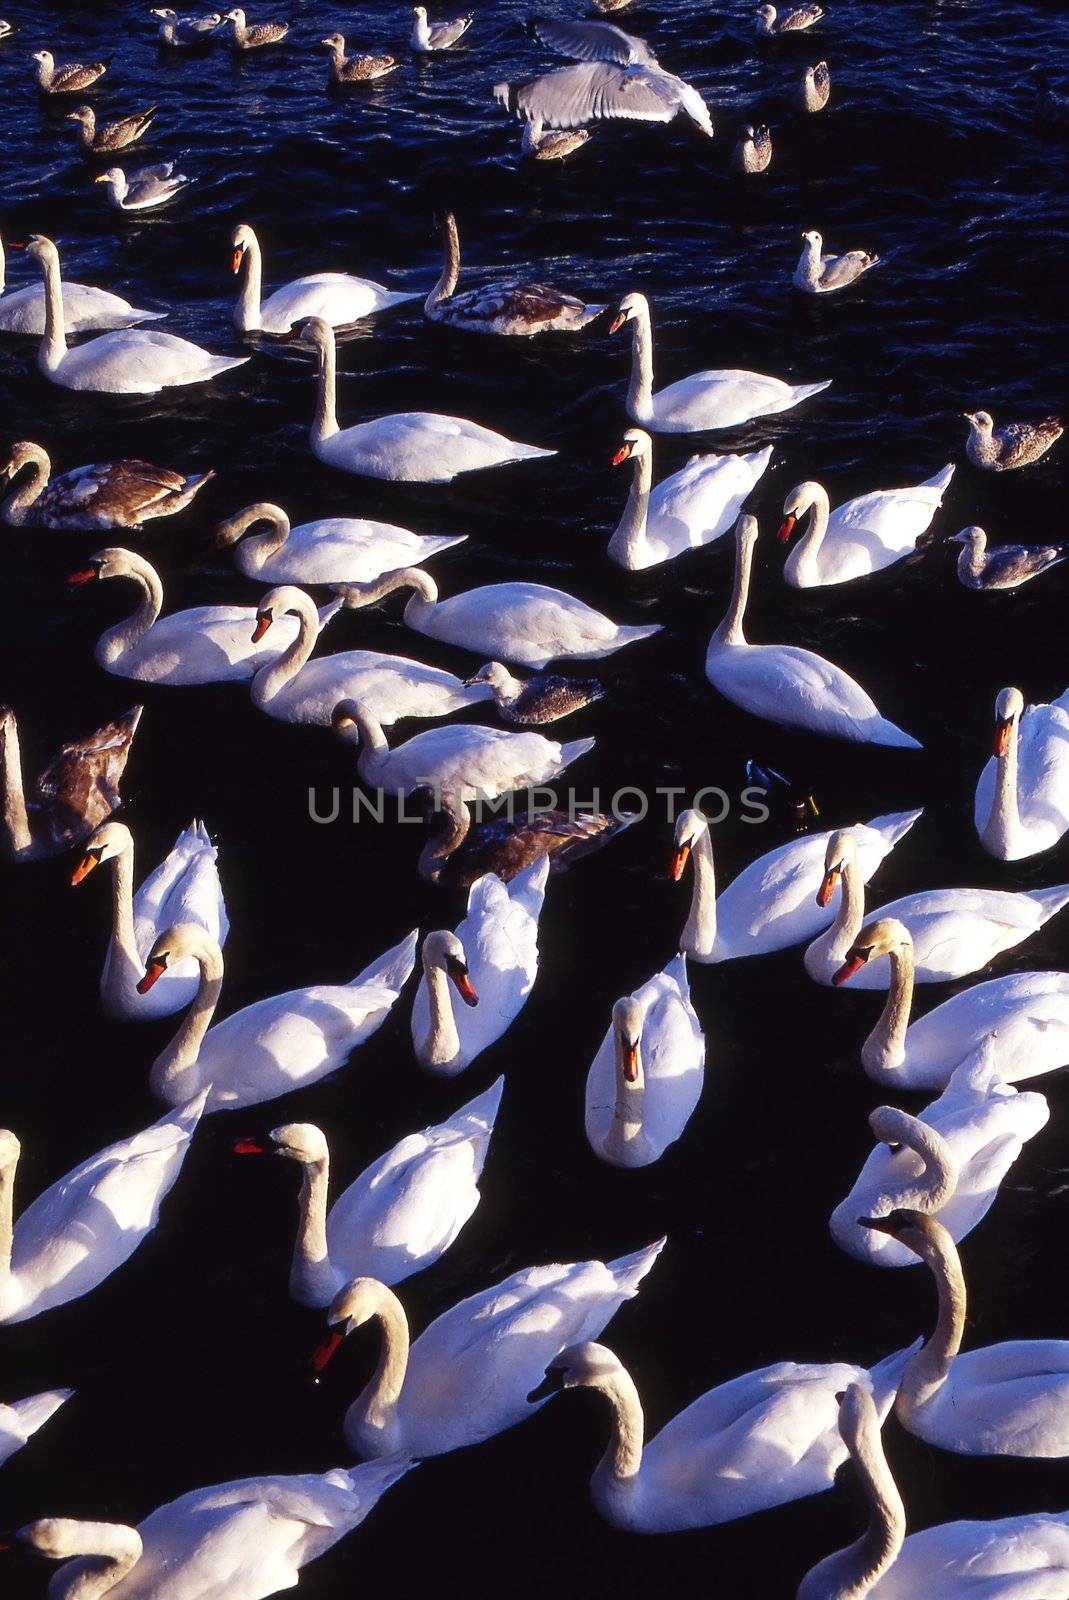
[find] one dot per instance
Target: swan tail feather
(629, 1271)
(35, 1411)
(1051, 900)
(371, 1479)
(392, 969)
(941, 480)
(805, 391)
(888, 733)
(895, 824)
(574, 749)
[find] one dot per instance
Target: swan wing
(1014, 1558)
(335, 296)
(185, 887)
(22, 1418)
(786, 684)
(701, 502)
(349, 550)
(139, 361)
(1025, 1015)
(389, 687)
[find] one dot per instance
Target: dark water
(191, 1364)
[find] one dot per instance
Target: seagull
(354, 69)
(430, 36)
(65, 80)
(1004, 566)
(753, 152)
(553, 146)
(543, 697)
(110, 135)
(1015, 444)
(770, 23)
(814, 90)
(182, 33)
(821, 274)
(255, 37)
(591, 41)
(571, 96)
(143, 190)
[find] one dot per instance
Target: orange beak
(617, 322)
(465, 988)
(786, 528)
(155, 970)
(678, 862)
(236, 259)
(630, 1061)
(827, 887)
(847, 970)
(326, 1349)
(83, 575)
(84, 868)
(621, 455)
(263, 622)
(249, 1147)
(1002, 737)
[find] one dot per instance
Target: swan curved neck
(447, 283)
(180, 1056)
(115, 642)
(311, 1278)
(629, 540)
(938, 1177)
(622, 1461)
(440, 1045)
(1003, 825)
(7, 1222)
(16, 507)
(813, 538)
(420, 606)
(53, 346)
(853, 1572)
(448, 840)
(325, 421)
(699, 934)
(106, 1552)
(18, 835)
(929, 1368)
(851, 913)
(247, 315)
(122, 918)
(730, 630)
(885, 1048)
(640, 388)
(273, 677)
(379, 1399)
(627, 1126)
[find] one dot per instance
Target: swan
(144, 190)
(85, 310)
(949, 1162)
(686, 511)
(274, 1045)
(722, 398)
(455, 856)
(954, 931)
(102, 138)
(753, 149)
(860, 536)
(244, 37)
(760, 1440)
(469, 1374)
(1023, 1019)
(593, 91)
(129, 361)
(330, 550)
(492, 962)
(794, 687)
(517, 309)
(407, 446)
(99, 497)
(398, 1216)
(73, 795)
(526, 623)
(646, 1079)
(22, 1418)
(184, 887)
(532, 702)
(337, 297)
(814, 88)
(429, 36)
(291, 688)
(344, 70)
(1015, 444)
(1009, 1399)
(81, 1229)
(772, 903)
(1014, 1558)
(67, 79)
(204, 644)
(1002, 566)
(817, 273)
(244, 1540)
(1022, 795)
(460, 758)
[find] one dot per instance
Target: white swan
(794, 687)
(203, 644)
(1022, 796)
(273, 1045)
(459, 759)
(329, 550)
(1014, 1558)
(949, 1162)
(398, 1216)
(184, 887)
(469, 1374)
(1009, 1399)
(337, 297)
(772, 903)
(860, 536)
(130, 361)
(1023, 1019)
(686, 511)
(81, 1229)
(407, 446)
(244, 1540)
(954, 931)
(85, 310)
(526, 623)
(721, 398)
(509, 309)
(646, 1079)
(492, 961)
(21, 1419)
(760, 1440)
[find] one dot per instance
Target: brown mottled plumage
(68, 79)
(456, 854)
(512, 309)
(1015, 444)
(98, 497)
(99, 139)
(76, 792)
(769, 21)
(258, 35)
(354, 69)
(530, 702)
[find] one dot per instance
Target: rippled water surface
(191, 1364)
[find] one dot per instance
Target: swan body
(184, 887)
(1022, 796)
(22, 1418)
(74, 794)
(274, 1045)
(722, 398)
(469, 1374)
(100, 497)
(519, 310)
(329, 550)
(79, 1231)
(408, 446)
(772, 903)
(85, 309)
(646, 1079)
(817, 273)
(860, 536)
(492, 961)
(337, 297)
(794, 687)
(685, 512)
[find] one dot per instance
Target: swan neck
(182, 1052)
(640, 388)
(7, 1220)
(851, 913)
(441, 1043)
(325, 421)
(1003, 826)
(885, 1048)
(439, 847)
(115, 642)
(106, 1553)
(699, 934)
(54, 344)
(247, 316)
(853, 1572)
(622, 1460)
(929, 1368)
(16, 506)
(730, 630)
(311, 1279)
(380, 1398)
(629, 540)
(813, 538)
(627, 1123)
(122, 905)
(447, 283)
(272, 678)
(16, 819)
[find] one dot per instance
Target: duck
(525, 623)
(337, 297)
(785, 684)
(329, 550)
(203, 644)
(184, 887)
(753, 149)
(127, 361)
(770, 22)
(949, 1162)
(85, 309)
(74, 794)
(345, 69)
(454, 856)
(861, 536)
(99, 497)
(517, 310)
(534, 701)
(760, 1440)
(491, 960)
(20, 1419)
(84, 1227)
(645, 1082)
(67, 79)
(706, 401)
(254, 37)
(242, 1539)
(1015, 444)
(272, 1046)
(1002, 566)
(428, 36)
(103, 138)
(144, 190)
(399, 1216)
(772, 903)
(407, 447)
(469, 1374)
(593, 91)
(954, 931)
(691, 509)
(814, 88)
(1022, 794)
(1009, 1399)
(817, 273)
(186, 33)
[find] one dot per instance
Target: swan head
(690, 825)
(973, 536)
(635, 443)
(892, 1127)
(747, 530)
(885, 936)
(917, 1230)
(10, 1150)
(242, 239)
(588, 1365)
(178, 942)
(800, 500)
(38, 247)
(351, 1307)
(24, 454)
(111, 839)
(631, 306)
(277, 603)
(231, 529)
(628, 1019)
(841, 852)
(981, 421)
(113, 562)
(311, 330)
(858, 1417)
(301, 1141)
(444, 952)
(1009, 707)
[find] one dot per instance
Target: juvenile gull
(429, 36)
(544, 697)
(255, 37)
(542, 146)
(516, 309)
(185, 33)
(104, 495)
(354, 69)
(592, 41)
(821, 274)
(611, 5)
(108, 136)
(65, 80)
(1002, 566)
(570, 97)
(769, 22)
(143, 190)
(814, 90)
(1015, 444)
(753, 151)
